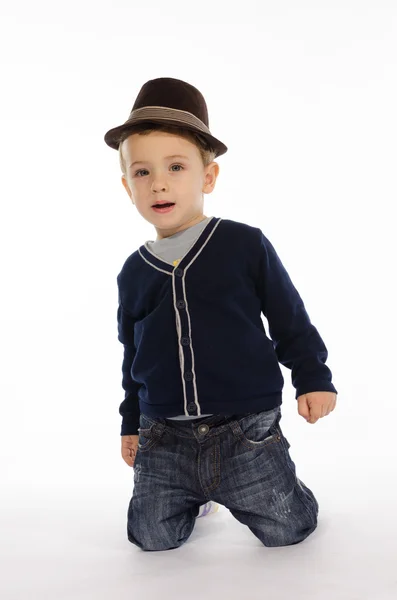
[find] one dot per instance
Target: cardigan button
(178, 272)
(188, 376)
(185, 341)
(180, 304)
(191, 406)
(203, 429)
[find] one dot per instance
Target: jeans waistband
(210, 420)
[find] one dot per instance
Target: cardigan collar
(188, 258)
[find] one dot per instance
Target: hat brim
(114, 135)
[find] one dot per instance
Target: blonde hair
(206, 152)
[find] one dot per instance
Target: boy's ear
(125, 184)
(211, 177)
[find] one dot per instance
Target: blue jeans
(240, 461)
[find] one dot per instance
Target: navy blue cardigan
(193, 336)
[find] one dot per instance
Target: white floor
(68, 542)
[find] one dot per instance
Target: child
(203, 386)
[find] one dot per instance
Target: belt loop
(234, 426)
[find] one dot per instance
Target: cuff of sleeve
(130, 426)
(315, 386)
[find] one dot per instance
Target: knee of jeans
(152, 540)
(155, 545)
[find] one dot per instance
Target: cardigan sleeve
(129, 408)
(296, 341)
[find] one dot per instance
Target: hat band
(170, 114)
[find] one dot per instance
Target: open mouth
(166, 207)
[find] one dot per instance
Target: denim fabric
(240, 461)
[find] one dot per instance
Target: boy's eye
(140, 170)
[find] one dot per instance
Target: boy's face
(156, 177)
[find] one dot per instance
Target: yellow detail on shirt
(176, 262)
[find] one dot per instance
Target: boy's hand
(314, 405)
(129, 446)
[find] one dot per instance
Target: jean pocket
(148, 438)
(259, 429)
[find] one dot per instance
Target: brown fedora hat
(170, 102)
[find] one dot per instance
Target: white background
(304, 95)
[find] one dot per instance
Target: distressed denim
(241, 461)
